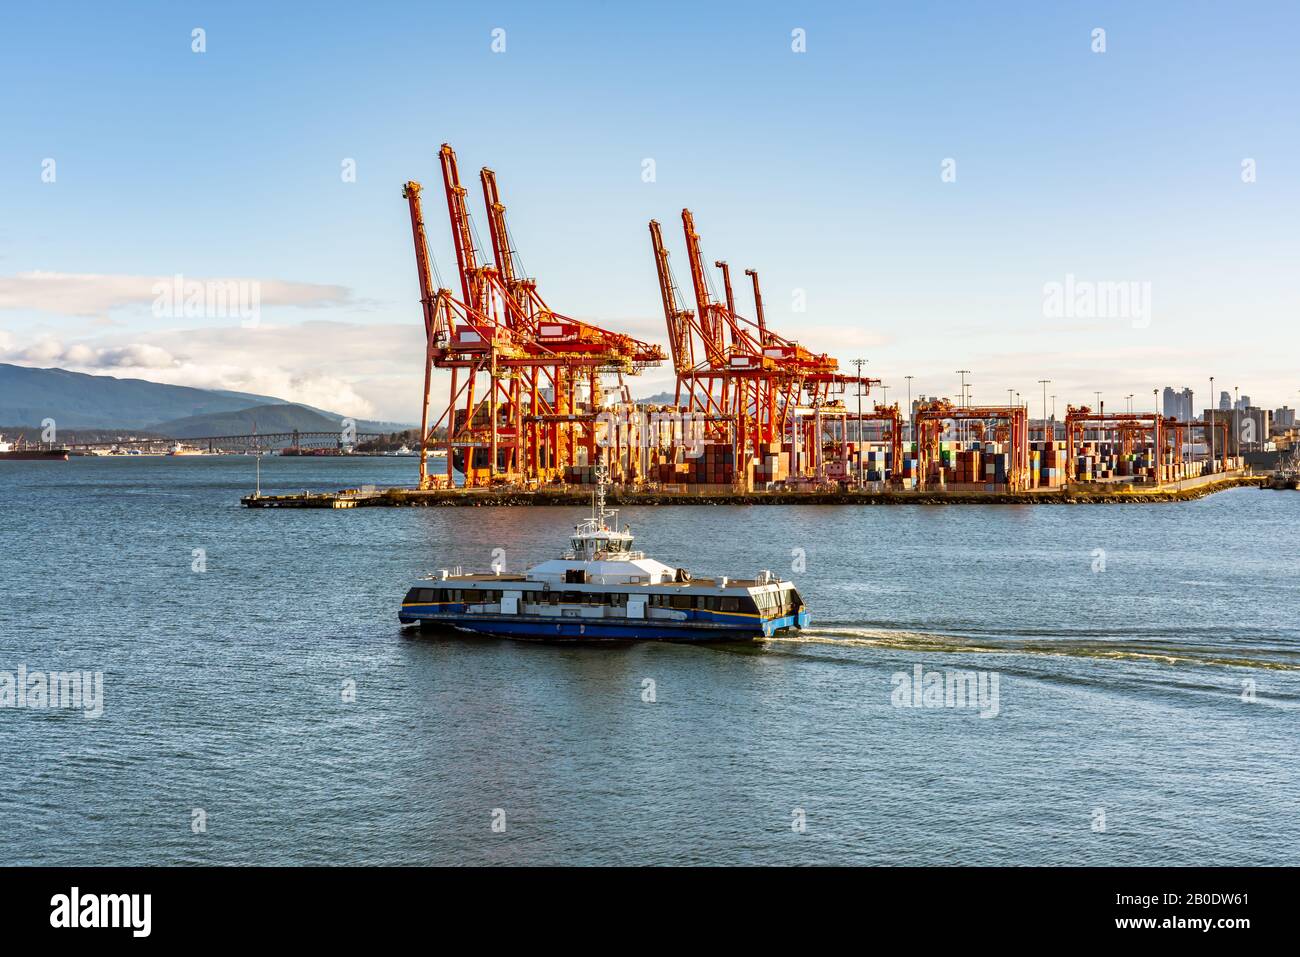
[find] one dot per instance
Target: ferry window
(555, 598)
(571, 598)
(424, 595)
(730, 604)
(681, 601)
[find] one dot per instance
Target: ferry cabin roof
(530, 582)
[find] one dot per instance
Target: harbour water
(261, 705)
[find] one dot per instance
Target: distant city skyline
(924, 186)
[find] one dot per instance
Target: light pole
(963, 373)
(1236, 409)
(1130, 403)
(1043, 383)
(1209, 409)
(909, 407)
(859, 363)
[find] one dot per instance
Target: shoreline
(580, 496)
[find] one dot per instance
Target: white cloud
(90, 294)
(367, 371)
(83, 357)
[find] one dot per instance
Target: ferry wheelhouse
(603, 588)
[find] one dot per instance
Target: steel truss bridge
(256, 442)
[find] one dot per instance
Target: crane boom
(758, 307)
(434, 325)
(678, 319)
(497, 227)
(726, 284)
(710, 325)
(462, 237)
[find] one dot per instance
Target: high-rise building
(1283, 418)
(1225, 401)
(1177, 405)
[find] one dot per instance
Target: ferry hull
(574, 629)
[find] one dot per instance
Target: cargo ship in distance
(602, 589)
(22, 451)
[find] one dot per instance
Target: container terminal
(535, 400)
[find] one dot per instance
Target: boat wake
(1117, 649)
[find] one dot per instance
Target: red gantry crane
(739, 374)
(515, 409)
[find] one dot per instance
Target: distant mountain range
(659, 398)
(75, 400)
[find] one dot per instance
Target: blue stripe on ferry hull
(515, 626)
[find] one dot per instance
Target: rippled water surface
(1126, 642)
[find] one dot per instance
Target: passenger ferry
(601, 588)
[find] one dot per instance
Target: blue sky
(822, 169)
